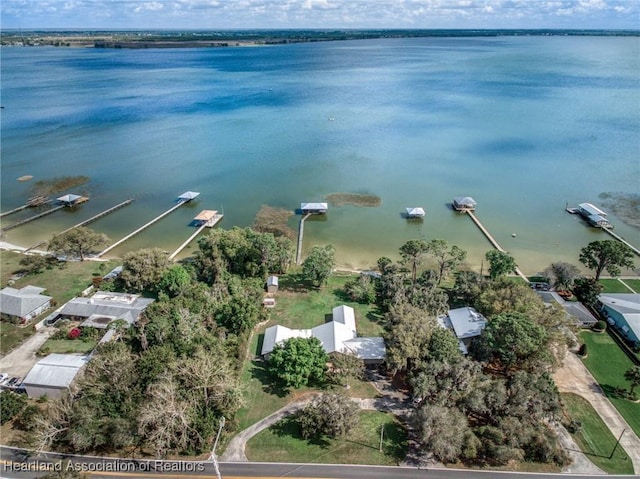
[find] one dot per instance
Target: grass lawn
(608, 363)
(283, 443)
(633, 283)
(65, 346)
(595, 438)
(611, 285)
(11, 335)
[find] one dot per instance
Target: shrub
(583, 350)
(11, 404)
(74, 333)
(600, 326)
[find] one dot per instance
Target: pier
(32, 218)
(87, 221)
(622, 240)
(206, 219)
(32, 202)
(182, 199)
(300, 237)
(493, 241)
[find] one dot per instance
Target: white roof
(345, 315)
(69, 198)
(466, 322)
(188, 195)
(464, 200)
(332, 335)
(278, 334)
(628, 305)
(20, 302)
(272, 281)
(591, 209)
(415, 211)
(56, 370)
(367, 348)
(314, 206)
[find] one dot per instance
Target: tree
(633, 376)
(319, 264)
(443, 346)
(361, 289)
(587, 290)
(468, 286)
(447, 258)
(33, 263)
(515, 340)
(501, 263)
(11, 404)
(606, 255)
(561, 275)
(330, 415)
(442, 430)
(144, 269)
(412, 253)
(174, 280)
(78, 242)
(298, 361)
(344, 367)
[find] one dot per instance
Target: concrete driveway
(574, 377)
(20, 361)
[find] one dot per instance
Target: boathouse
(72, 200)
(594, 215)
(464, 203)
(313, 208)
(415, 212)
(188, 196)
(206, 217)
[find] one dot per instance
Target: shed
(25, 303)
(464, 203)
(314, 208)
(415, 212)
(272, 284)
(53, 375)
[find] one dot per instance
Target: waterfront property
(466, 323)
(23, 304)
(101, 309)
(415, 212)
(338, 335)
(594, 215)
(622, 310)
(464, 203)
(53, 375)
(576, 311)
(314, 208)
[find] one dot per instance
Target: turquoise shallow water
(522, 124)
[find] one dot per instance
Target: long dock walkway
(622, 240)
(87, 221)
(143, 227)
(32, 218)
(493, 241)
(300, 237)
(210, 224)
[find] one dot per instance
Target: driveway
(20, 361)
(574, 377)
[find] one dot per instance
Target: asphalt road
(16, 464)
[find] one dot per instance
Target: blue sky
(238, 14)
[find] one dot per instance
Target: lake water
(522, 124)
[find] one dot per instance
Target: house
(464, 203)
(415, 212)
(53, 375)
(103, 307)
(575, 310)
(466, 323)
(272, 284)
(314, 208)
(622, 310)
(338, 335)
(23, 304)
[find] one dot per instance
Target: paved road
(574, 377)
(12, 460)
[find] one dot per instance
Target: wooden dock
(622, 240)
(301, 237)
(87, 221)
(493, 241)
(32, 202)
(32, 218)
(143, 227)
(209, 223)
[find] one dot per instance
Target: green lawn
(283, 443)
(11, 335)
(66, 346)
(608, 363)
(611, 285)
(633, 283)
(595, 438)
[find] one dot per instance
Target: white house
(338, 335)
(466, 323)
(24, 303)
(53, 375)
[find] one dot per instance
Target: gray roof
(21, 302)
(272, 281)
(589, 209)
(415, 211)
(56, 370)
(464, 201)
(628, 305)
(188, 195)
(572, 308)
(107, 304)
(314, 206)
(70, 198)
(466, 322)
(114, 273)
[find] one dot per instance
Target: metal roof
(56, 370)
(70, 198)
(626, 304)
(415, 211)
(590, 209)
(314, 206)
(272, 281)
(464, 201)
(206, 215)
(367, 348)
(188, 195)
(345, 315)
(21, 302)
(117, 305)
(466, 322)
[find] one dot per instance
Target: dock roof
(314, 206)
(70, 198)
(188, 195)
(590, 209)
(206, 215)
(464, 201)
(415, 211)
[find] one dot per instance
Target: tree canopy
(319, 264)
(144, 269)
(501, 263)
(77, 242)
(606, 255)
(298, 362)
(330, 415)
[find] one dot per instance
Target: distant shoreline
(157, 39)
